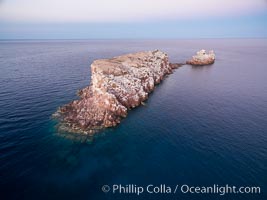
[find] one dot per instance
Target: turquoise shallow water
(201, 126)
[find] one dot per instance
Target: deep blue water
(201, 126)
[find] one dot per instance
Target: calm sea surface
(201, 126)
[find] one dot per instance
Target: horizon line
(174, 38)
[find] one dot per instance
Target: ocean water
(201, 126)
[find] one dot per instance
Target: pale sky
(132, 18)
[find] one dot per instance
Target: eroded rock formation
(117, 85)
(202, 58)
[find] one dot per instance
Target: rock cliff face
(117, 85)
(202, 58)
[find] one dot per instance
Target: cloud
(123, 10)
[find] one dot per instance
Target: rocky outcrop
(202, 58)
(117, 85)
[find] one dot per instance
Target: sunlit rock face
(117, 85)
(202, 58)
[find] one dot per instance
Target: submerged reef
(117, 85)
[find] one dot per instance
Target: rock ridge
(117, 85)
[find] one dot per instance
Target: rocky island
(117, 85)
(202, 58)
